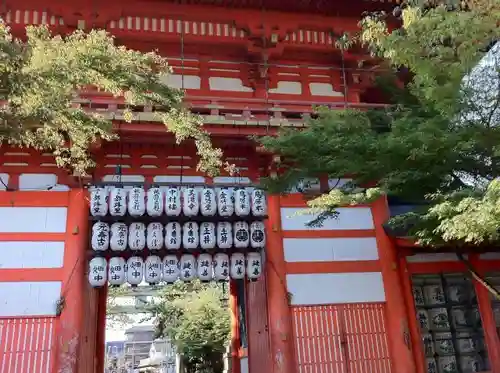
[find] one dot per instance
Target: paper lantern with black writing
(224, 235)
(136, 201)
(208, 205)
(153, 270)
(242, 202)
(98, 201)
(135, 270)
(207, 236)
(225, 202)
(173, 238)
(118, 202)
(190, 235)
(221, 267)
(171, 268)
(97, 272)
(154, 202)
(154, 236)
(257, 235)
(119, 237)
(241, 235)
(187, 268)
(258, 203)
(100, 236)
(117, 271)
(254, 265)
(190, 202)
(137, 236)
(204, 268)
(173, 202)
(237, 269)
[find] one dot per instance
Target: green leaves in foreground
(40, 78)
(437, 143)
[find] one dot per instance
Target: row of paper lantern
(173, 201)
(190, 235)
(153, 270)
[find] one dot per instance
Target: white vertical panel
(348, 218)
(244, 365)
(26, 254)
(29, 298)
(33, 219)
(335, 288)
(330, 249)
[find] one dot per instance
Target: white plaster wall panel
(244, 365)
(307, 184)
(349, 218)
(287, 88)
(26, 254)
(29, 298)
(330, 249)
(4, 181)
(33, 219)
(177, 179)
(231, 180)
(490, 256)
(228, 84)
(323, 89)
(190, 81)
(123, 178)
(40, 182)
(335, 288)
(437, 257)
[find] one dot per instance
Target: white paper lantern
(224, 235)
(98, 201)
(97, 272)
(259, 203)
(237, 270)
(118, 202)
(117, 271)
(173, 236)
(191, 202)
(242, 202)
(135, 270)
(208, 205)
(171, 268)
(154, 236)
(254, 265)
(221, 267)
(100, 236)
(188, 267)
(137, 236)
(118, 238)
(190, 235)
(241, 234)
(257, 235)
(136, 203)
(173, 202)
(154, 204)
(204, 267)
(153, 269)
(225, 203)
(207, 236)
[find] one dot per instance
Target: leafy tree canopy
(196, 318)
(437, 141)
(40, 77)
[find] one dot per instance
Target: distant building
(137, 344)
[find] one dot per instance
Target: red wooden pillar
(235, 327)
(70, 323)
(280, 323)
(100, 347)
(397, 315)
(414, 327)
(488, 319)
